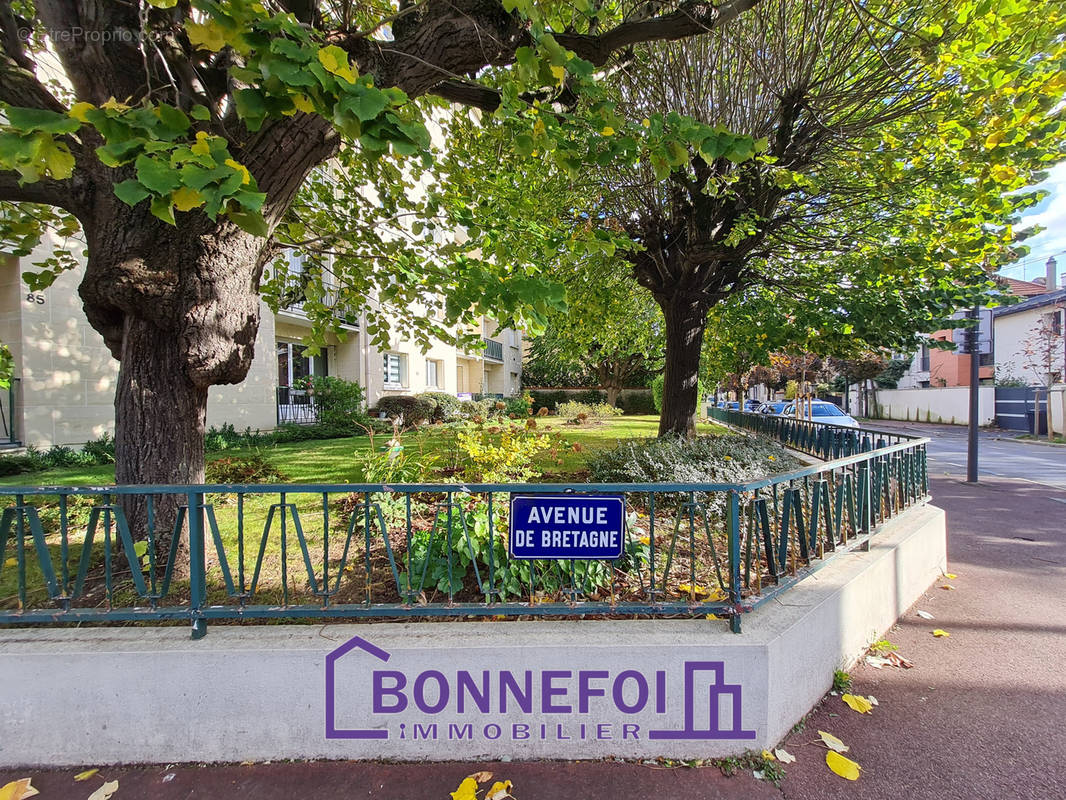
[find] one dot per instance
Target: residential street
(997, 457)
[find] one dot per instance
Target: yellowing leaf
(335, 60)
(607, 130)
(766, 754)
(842, 766)
(84, 776)
(481, 777)
(857, 703)
(784, 756)
(947, 588)
(79, 110)
(114, 105)
(205, 35)
(10, 562)
(940, 634)
(559, 73)
(201, 147)
(950, 575)
(302, 103)
(499, 791)
(646, 122)
(1003, 174)
(185, 199)
(993, 139)
(246, 176)
(467, 790)
(105, 791)
(17, 790)
(833, 743)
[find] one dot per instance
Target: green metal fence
(337, 551)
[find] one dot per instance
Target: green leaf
(157, 176)
(130, 192)
(366, 103)
(115, 154)
(252, 223)
(200, 112)
(163, 209)
(39, 119)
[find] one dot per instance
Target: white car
(822, 411)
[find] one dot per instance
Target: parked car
(822, 411)
(773, 408)
(752, 405)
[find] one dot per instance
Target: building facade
(64, 377)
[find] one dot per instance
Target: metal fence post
(734, 559)
(197, 565)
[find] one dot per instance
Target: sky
(1049, 214)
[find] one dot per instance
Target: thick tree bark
(686, 318)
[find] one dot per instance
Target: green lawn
(330, 460)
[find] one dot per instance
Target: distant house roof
(1056, 297)
(1022, 288)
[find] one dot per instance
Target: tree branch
(46, 191)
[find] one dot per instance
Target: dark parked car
(773, 408)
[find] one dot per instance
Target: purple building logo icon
(717, 690)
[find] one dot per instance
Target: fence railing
(493, 349)
(295, 406)
(328, 551)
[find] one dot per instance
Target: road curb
(1036, 442)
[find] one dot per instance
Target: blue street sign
(567, 526)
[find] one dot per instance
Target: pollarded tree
(885, 132)
(178, 132)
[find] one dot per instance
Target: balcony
(493, 350)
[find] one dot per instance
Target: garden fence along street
(334, 551)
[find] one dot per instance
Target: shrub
(704, 459)
(253, 469)
(469, 409)
(576, 413)
(340, 402)
(30, 461)
(100, 451)
(548, 400)
(302, 433)
(637, 403)
(521, 406)
(60, 456)
(657, 392)
(446, 407)
(590, 396)
(414, 410)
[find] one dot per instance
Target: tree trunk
(613, 391)
(685, 323)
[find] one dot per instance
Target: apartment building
(65, 378)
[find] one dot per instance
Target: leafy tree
(877, 146)
(179, 146)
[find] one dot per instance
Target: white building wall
(1011, 333)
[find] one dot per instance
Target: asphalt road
(997, 457)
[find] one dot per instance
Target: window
(294, 364)
(923, 358)
(395, 369)
(512, 337)
(434, 373)
(1054, 322)
(826, 410)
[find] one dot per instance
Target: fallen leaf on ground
(940, 633)
(925, 615)
(857, 703)
(877, 662)
(17, 790)
(833, 743)
(768, 756)
(758, 774)
(10, 562)
(784, 756)
(873, 700)
(84, 776)
(948, 588)
(481, 777)
(900, 661)
(842, 766)
(105, 791)
(467, 790)
(499, 791)
(950, 575)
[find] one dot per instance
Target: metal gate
(1021, 408)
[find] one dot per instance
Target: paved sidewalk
(983, 713)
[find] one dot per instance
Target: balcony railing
(493, 350)
(296, 406)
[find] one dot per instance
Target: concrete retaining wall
(950, 404)
(681, 688)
